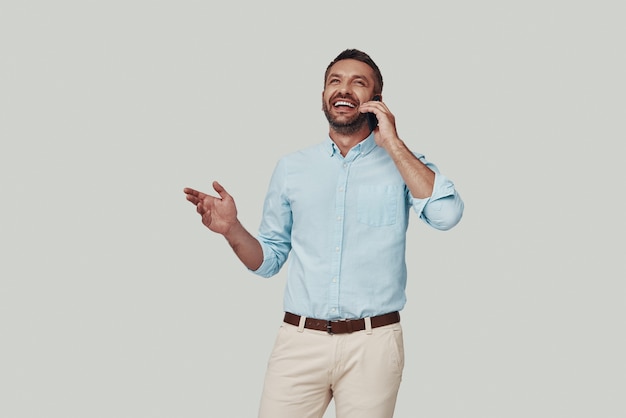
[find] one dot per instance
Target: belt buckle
(329, 326)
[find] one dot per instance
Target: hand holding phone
(371, 118)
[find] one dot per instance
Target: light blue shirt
(343, 222)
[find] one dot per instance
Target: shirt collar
(364, 147)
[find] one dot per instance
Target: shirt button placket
(338, 237)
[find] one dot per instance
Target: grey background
(116, 302)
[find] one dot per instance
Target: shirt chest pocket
(377, 205)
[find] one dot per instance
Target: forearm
(246, 247)
(418, 177)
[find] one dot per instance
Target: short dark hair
(355, 54)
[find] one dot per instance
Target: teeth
(341, 103)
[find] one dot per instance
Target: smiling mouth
(342, 103)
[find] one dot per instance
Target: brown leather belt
(342, 326)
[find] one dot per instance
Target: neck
(345, 142)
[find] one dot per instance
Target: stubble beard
(348, 127)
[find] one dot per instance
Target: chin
(346, 127)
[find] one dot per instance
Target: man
(340, 211)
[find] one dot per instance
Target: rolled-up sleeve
(275, 230)
(444, 208)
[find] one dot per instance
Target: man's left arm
(434, 197)
(419, 178)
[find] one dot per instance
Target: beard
(347, 127)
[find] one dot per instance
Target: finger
(220, 190)
(206, 218)
(370, 107)
(192, 199)
(191, 192)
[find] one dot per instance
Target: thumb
(220, 190)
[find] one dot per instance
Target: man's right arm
(219, 214)
(246, 247)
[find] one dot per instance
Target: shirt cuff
(443, 187)
(268, 266)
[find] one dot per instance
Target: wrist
(233, 231)
(393, 144)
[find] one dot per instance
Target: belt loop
(368, 325)
(301, 324)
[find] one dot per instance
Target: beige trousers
(361, 371)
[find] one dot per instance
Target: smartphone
(371, 118)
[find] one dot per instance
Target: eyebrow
(355, 77)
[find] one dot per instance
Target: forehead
(351, 68)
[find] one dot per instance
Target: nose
(345, 88)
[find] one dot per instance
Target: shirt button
(337, 249)
(341, 189)
(334, 280)
(332, 310)
(338, 218)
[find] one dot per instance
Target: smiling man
(339, 210)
